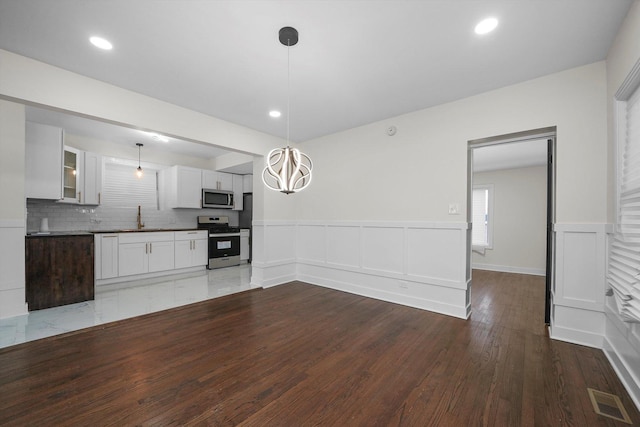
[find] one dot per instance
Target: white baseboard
(509, 269)
(275, 281)
(622, 348)
(155, 275)
(413, 294)
(575, 336)
(624, 374)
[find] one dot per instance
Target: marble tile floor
(125, 300)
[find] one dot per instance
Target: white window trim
(490, 221)
(622, 261)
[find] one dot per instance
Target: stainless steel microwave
(218, 199)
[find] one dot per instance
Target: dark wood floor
(299, 355)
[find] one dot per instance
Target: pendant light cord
(288, 86)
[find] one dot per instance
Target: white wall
(12, 209)
(364, 174)
(406, 182)
(519, 220)
(26, 80)
(622, 340)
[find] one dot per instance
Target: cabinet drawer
(192, 235)
(145, 236)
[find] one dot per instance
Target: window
(482, 216)
(123, 189)
(624, 254)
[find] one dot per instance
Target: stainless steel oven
(224, 241)
(224, 249)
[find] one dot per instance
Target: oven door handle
(225, 235)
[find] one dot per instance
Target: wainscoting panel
(343, 246)
(12, 282)
(416, 264)
(382, 249)
(274, 253)
(580, 283)
(281, 243)
(582, 262)
(436, 253)
(316, 234)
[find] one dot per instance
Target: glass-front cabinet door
(71, 176)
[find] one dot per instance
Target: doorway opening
(511, 200)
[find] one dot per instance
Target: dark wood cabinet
(59, 270)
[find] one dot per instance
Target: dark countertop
(92, 232)
(147, 230)
(59, 234)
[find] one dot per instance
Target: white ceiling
(118, 134)
(357, 61)
(510, 155)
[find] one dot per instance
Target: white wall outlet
(454, 209)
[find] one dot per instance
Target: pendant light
(139, 172)
(288, 170)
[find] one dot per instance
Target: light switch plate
(454, 209)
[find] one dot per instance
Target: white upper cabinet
(247, 184)
(182, 187)
(71, 175)
(92, 178)
(82, 177)
(238, 201)
(210, 179)
(43, 161)
(226, 181)
(215, 180)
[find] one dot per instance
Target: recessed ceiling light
(155, 136)
(275, 114)
(158, 137)
(486, 26)
(101, 43)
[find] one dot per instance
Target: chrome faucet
(140, 223)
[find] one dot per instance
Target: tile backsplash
(70, 217)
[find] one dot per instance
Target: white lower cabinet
(244, 244)
(146, 252)
(106, 255)
(191, 248)
(133, 258)
(161, 256)
(130, 254)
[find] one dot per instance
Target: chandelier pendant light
(139, 172)
(288, 170)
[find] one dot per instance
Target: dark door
(549, 272)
